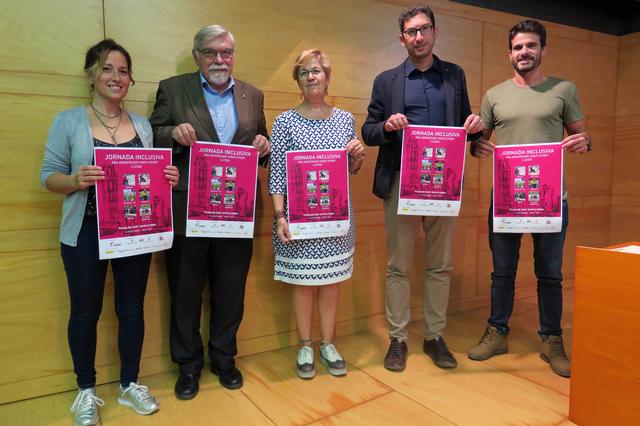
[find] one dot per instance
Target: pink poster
(527, 188)
(222, 190)
(431, 170)
(318, 193)
(133, 201)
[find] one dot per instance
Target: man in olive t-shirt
(529, 108)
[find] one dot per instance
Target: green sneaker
(304, 363)
(330, 357)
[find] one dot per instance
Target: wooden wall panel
(46, 38)
(589, 175)
(625, 211)
(42, 74)
(347, 37)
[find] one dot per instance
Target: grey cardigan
(69, 146)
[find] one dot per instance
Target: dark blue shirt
(424, 102)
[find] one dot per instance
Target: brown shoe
(492, 343)
(439, 353)
(396, 357)
(552, 352)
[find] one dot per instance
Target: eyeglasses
(225, 54)
(412, 32)
(302, 73)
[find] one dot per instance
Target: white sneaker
(138, 397)
(304, 363)
(85, 408)
(330, 357)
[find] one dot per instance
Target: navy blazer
(387, 98)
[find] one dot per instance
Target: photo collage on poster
(432, 169)
(136, 195)
(223, 185)
(527, 183)
(318, 188)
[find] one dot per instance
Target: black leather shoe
(439, 353)
(187, 386)
(230, 378)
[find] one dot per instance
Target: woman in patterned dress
(318, 262)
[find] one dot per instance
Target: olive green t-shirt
(524, 115)
(535, 114)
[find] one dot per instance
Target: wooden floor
(512, 389)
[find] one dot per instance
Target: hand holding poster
(527, 188)
(133, 201)
(317, 193)
(222, 190)
(431, 170)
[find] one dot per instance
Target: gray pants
(402, 233)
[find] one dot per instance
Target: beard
(425, 51)
(218, 76)
(535, 63)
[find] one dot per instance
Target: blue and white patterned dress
(317, 261)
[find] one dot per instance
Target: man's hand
(262, 144)
(184, 134)
(578, 142)
(483, 148)
(473, 124)
(396, 122)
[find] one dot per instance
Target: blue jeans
(86, 275)
(547, 254)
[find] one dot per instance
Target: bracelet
(278, 214)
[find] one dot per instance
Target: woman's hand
(355, 149)
(356, 152)
(87, 176)
(282, 230)
(172, 174)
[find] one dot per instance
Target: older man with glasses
(208, 105)
(423, 90)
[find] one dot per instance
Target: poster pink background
(303, 164)
(205, 157)
(521, 171)
(416, 141)
(110, 192)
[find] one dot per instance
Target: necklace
(97, 111)
(110, 129)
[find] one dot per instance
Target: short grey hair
(209, 32)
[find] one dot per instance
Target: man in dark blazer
(208, 105)
(423, 90)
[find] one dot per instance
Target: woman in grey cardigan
(67, 169)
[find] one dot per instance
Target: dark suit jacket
(387, 98)
(180, 100)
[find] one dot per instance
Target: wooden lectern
(605, 366)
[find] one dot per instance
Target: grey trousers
(402, 233)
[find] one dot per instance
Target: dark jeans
(86, 276)
(547, 253)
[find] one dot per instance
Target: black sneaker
(396, 357)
